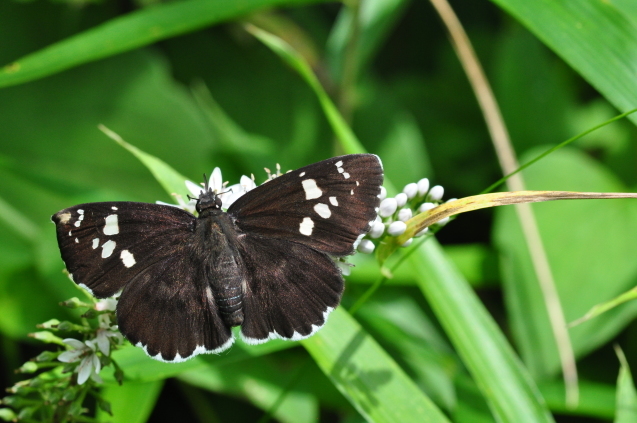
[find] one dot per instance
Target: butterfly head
(208, 199)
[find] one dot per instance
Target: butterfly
(264, 265)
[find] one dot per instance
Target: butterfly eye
(218, 202)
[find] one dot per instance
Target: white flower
(229, 194)
(426, 206)
(106, 331)
(106, 304)
(377, 229)
(89, 366)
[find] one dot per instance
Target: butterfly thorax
(216, 243)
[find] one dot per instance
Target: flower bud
(423, 187)
(383, 193)
(387, 207)
(411, 190)
(378, 228)
(408, 242)
(366, 246)
(436, 192)
(397, 228)
(401, 199)
(404, 214)
(425, 206)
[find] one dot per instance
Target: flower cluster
(64, 378)
(416, 197)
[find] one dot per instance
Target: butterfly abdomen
(223, 275)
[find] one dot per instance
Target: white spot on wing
(113, 208)
(339, 163)
(77, 241)
(111, 227)
(107, 248)
(323, 210)
(351, 192)
(340, 170)
(334, 201)
(302, 174)
(312, 191)
(346, 175)
(306, 226)
(96, 243)
(70, 234)
(64, 218)
(127, 258)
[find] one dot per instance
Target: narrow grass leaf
(137, 29)
(504, 382)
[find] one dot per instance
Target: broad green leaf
(130, 403)
(588, 244)
(598, 39)
(504, 382)
(128, 32)
(375, 385)
(626, 393)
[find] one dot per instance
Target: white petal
(195, 189)
(70, 356)
(216, 181)
(85, 369)
(78, 345)
(247, 183)
(102, 342)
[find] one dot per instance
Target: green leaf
(373, 382)
(264, 382)
(504, 382)
(598, 39)
(626, 393)
(130, 403)
(137, 29)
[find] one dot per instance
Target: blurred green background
(210, 94)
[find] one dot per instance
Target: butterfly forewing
(326, 205)
(105, 244)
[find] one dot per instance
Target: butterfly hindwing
(326, 205)
(167, 310)
(291, 296)
(105, 244)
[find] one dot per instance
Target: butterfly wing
(325, 206)
(144, 250)
(290, 289)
